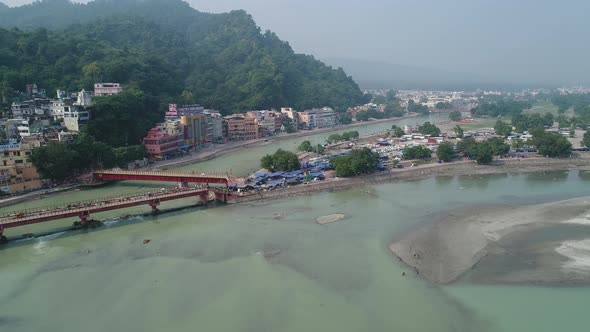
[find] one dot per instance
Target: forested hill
(168, 50)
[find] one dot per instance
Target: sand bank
(330, 219)
(502, 244)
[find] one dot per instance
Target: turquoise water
(268, 266)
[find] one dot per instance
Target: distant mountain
(381, 75)
(167, 49)
(3, 6)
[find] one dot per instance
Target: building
(17, 173)
(75, 117)
(107, 89)
(241, 128)
(318, 118)
(15, 129)
(84, 99)
(195, 129)
(216, 121)
(161, 145)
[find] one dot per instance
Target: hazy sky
(528, 40)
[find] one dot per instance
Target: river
(268, 266)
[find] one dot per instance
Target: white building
(107, 89)
(75, 117)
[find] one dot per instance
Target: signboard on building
(172, 110)
(11, 146)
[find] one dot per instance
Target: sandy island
(330, 219)
(503, 244)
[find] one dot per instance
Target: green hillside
(166, 49)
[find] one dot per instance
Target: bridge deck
(76, 209)
(192, 177)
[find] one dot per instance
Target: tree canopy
(586, 139)
(281, 160)
(502, 128)
(455, 116)
(551, 144)
(500, 108)
(359, 161)
(445, 151)
(417, 152)
(429, 129)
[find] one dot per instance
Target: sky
(520, 40)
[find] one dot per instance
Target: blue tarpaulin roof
(277, 174)
(261, 175)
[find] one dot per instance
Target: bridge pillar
(221, 197)
(204, 197)
(84, 218)
(3, 238)
(154, 204)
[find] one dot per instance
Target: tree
(443, 106)
(551, 144)
(334, 138)
(459, 132)
(350, 135)
(281, 160)
(518, 143)
(445, 151)
(414, 107)
(287, 122)
(586, 139)
(305, 146)
(345, 119)
(429, 129)
(319, 149)
(468, 147)
(417, 152)
(502, 128)
(455, 116)
(483, 153)
(55, 161)
(362, 116)
(397, 131)
(359, 161)
(123, 119)
(498, 146)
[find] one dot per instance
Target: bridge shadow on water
(125, 220)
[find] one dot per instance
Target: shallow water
(268, 266)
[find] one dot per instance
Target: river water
(268, 266)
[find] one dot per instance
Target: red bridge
(84, 209)
(179, 177)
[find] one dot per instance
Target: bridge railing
(102, 201)
(220, 175)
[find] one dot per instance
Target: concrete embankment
(459, 168)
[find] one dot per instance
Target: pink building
(159, 144)
(107, 89)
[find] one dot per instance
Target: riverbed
(269, 266)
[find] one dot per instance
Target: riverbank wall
(458, 168)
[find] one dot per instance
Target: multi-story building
(17, 173)
(161, 145)
(26, 108)
(107, 89)
(216, 122)
(195, 129)
(241, 128)
(75, 117)
(318, 118)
